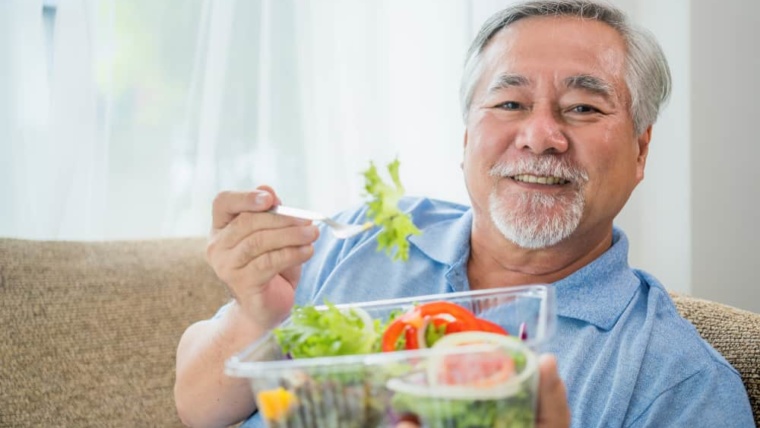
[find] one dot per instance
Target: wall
(658, 217)
(692, 221)
(725, 65)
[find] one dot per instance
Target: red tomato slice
(437, 308)
(455, 317)
(411, 337)
(491, 327)
(478, 370)
(391, 335)
(452, 325)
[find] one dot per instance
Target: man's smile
(539, 179)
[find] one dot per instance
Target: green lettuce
(509, 412)
(383, 211)
(326, 333)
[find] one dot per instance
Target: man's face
(550, 148)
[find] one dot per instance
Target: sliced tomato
(392, 334)
(448, 324)
(491, 327)
(478, 370)
(408, 323)
(485, 368)
(401, 327)
(456, 327)
(456, 319)
(443, 307)
(411, 337)
(452, 325)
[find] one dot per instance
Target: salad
(449, 368)
(484, 387)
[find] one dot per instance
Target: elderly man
(559, 98)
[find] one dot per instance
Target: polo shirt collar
(598, 293)
(446, 242)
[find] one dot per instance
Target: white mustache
(545, 167)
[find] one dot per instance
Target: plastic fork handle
(298, 213)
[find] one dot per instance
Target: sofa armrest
(734, 333)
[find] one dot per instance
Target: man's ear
(464, 149)
(641, 159)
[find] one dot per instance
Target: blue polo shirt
(627, 358)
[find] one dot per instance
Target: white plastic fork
(339, 230)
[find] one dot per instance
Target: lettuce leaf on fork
(384, 212)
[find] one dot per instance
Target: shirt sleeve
(222, 310)
(713, 397)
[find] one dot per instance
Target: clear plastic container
(442, 386)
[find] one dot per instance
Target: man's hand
(553, 411)
(258, 254)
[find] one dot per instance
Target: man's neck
(497, 262)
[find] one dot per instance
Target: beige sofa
(89, 330)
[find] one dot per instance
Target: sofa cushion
(90, 329)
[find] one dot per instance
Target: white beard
(537, 220)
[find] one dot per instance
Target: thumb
(553, 410)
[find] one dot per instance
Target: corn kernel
(275, 403)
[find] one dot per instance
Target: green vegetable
(434, 333)
(351, 396)
(326, 333)
(383, 211)
(510, 412)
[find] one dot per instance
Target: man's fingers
(553, 410)
(245, 224)
(274, 262)
(266, 188)
(227, 205)
(268, 250)
(265, 241)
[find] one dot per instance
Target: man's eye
(510, 105)
(583, 109)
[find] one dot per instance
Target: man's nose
(542, 133)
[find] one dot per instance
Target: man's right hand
(258, 254)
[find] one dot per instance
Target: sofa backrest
(89, 330)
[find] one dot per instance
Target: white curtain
(122, 119)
